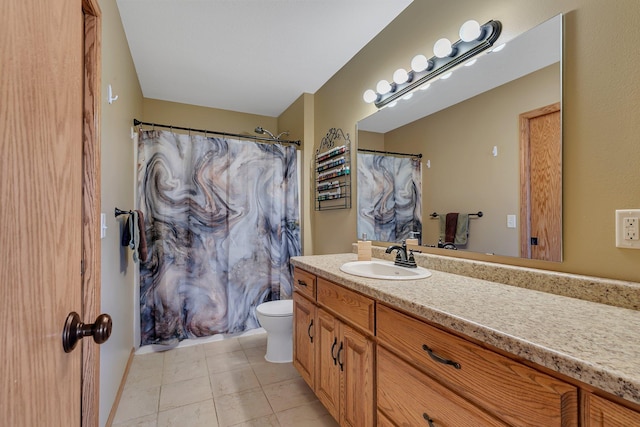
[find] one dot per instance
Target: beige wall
(464, 175)
(193, 116)
(117, 190)
(298, 120)
(600, 118)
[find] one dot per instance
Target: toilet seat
(280, 308)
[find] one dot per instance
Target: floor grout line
(258, 368)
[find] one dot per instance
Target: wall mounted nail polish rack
(333, 171)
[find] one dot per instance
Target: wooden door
(356, 366)
(45, 102)
(541, 184)
(327, 372)
(304, 332)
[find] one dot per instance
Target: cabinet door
(600, 412)
(327, 380)
(303, 338)
(355, 359)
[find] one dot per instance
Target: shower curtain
(221, 222)
(389, 197)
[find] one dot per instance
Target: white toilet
(276, 317)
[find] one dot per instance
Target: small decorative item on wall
(333, 171)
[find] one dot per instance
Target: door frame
(90, 377)
(525, 174)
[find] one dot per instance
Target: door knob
(74, 330)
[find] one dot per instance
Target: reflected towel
(454, 228)
(450, 227)
(462, 230)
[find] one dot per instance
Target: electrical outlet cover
(627, 228)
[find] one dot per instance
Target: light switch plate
(511, 221)
(103, 225)
(628, 228)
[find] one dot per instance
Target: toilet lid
(279, 308)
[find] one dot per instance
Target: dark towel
(126, 233)
(451, 225)
(142, 244)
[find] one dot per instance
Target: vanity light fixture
(474, 39)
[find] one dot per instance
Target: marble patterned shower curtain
(222, 221)
(389, 197)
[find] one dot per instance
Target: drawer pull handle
(428, 419)
(309, 331)
(440, 359)
(302, 282)
(338, 357)
(335, 359)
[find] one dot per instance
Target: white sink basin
(384, 270)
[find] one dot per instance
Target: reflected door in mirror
(541, 180)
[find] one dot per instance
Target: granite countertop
(594, 343)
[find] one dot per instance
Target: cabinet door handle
(338, 357)
(309, 331)
(302, 282)
(428, 419)
(335, 360)
(440, 359)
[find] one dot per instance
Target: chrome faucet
(401, 255)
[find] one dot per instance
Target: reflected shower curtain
(222, 221)
(389, 197)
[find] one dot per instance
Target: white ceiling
(250, 56)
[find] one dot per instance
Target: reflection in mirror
(389, 196)
(498, 152)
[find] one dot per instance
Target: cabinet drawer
(600, 412)
(351, 306)
(410, 398)
(515, 393)
(305, 283)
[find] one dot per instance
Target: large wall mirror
(490, 139)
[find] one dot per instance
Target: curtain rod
(137, 122)
(419, 155)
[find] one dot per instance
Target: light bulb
(419, 63)
(408, 96)
(470, 31)
(400, 76)
(446, 75)
(470, 63)
(369, 96)
(383, 87)
(499, 48)
(442, 48)
(392, 104)
(425, 87)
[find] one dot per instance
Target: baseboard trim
(116, 401)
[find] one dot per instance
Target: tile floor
(217, 384)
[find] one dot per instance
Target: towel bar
(479, 214)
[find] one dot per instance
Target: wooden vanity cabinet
(508, 390)
(600, 412)
(338, 327)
